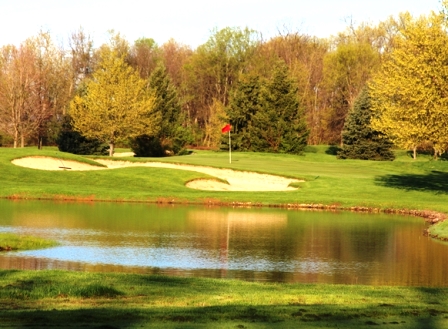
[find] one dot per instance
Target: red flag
(226, 128)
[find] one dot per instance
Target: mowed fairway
(401, 184)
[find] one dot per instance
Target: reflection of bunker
(240, 219)
(45, 220)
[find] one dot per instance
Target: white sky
(190, 21)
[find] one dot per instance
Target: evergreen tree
(360, 141)
(279, 126)
(166, 103)
(171, 137)
(244, 103)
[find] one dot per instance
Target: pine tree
(279, 126)
(168, 105)
(244, 103)
(360, 141)
(171, 136)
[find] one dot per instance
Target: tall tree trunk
(16, 138)
(111, 148)
(414, 155)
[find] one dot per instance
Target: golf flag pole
(230, 149)
(224, 130)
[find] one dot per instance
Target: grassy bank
(10, 242)
(439, 231)
(92, 300)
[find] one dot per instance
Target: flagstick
(230, 149)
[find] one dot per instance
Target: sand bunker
(238, 180)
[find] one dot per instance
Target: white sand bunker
(238, 180)
(46, 163)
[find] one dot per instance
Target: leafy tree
(81, 55)
(116, 104)
(33, 88)
(144, 56)
(359, 140)
(175, 56)
(346, 70)
(279, 126)
(212, 130)
(213, 69)
(16, 81)
(410, 93)
(51, 89)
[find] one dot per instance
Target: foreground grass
(9, 241)
(40, 299)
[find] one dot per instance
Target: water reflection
(249, 244)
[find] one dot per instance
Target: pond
(250, 244)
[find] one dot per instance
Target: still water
(250, 244)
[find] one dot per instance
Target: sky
(191, 22)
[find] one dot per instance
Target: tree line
(278, 94)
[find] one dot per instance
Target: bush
(147, 146)
(5, 140)
(72, 141)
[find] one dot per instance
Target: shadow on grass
(158, 305)
(436, 181)
(332, 150)
(236, 316)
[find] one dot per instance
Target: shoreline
(429, 216)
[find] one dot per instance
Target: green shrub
(5, 140)
(72, 141)
(147, 146)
